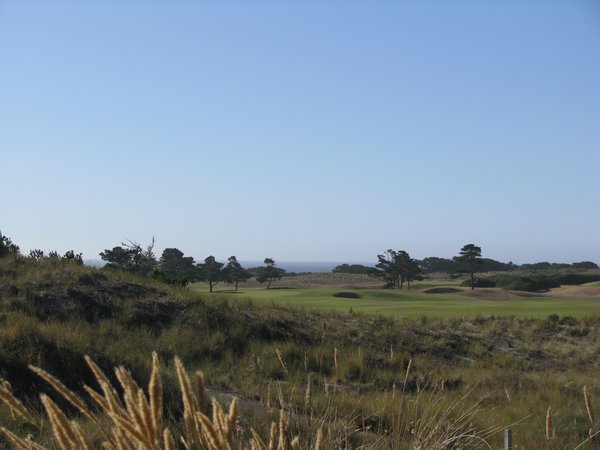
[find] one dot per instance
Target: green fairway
(416, 303)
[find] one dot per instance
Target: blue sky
(302, 130)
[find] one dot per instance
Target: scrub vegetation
(326, 379)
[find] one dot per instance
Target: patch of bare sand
(574, 291)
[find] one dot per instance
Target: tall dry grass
(136, 417)
(125, 416)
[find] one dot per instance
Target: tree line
(451, 266)
(396, 268)
(172, 267)
(175, 268)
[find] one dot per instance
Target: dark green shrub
(480, 283)
(347, 295)
(522, 283)
(576, 278)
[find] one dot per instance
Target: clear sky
(305, 130)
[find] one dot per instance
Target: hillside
(54, 312)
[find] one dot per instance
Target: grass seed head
(549, 429)
(588, 404)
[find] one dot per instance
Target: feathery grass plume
(282, 431)
(153, 434)
(100, 401)
(219, 420)
(507, 394)
(193, 436)
(319, 441)
(232, 417)
(14, 404)
(268, 402)
(588, 404)
(156, 395)
(273, 436)
(280, 397)
(110, 394)
(19, 443)
(211, 437)
(295, 444)
(84, 439)
(5, 384)
(549, 429)
(282, 361)
(168, 441)
(256, 443)
(308, 395)
(406, 374)
(190, 403)
(131, 397)
(67, 394)
(62, 430)
(129, 431)
(305, 362)
(335, 358)
(200, 390)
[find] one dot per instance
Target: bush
(576, 278)
(480, 283)
(522, 283)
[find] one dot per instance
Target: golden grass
(549, 427)
(137, 418)
(588, 404)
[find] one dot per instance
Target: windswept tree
(7, 247)
(211, 271)
(117, 258)
(175, 268)
(268, 273)
(469, 258)
(70, 255)
(131, 257)
(411, 270)
(395, 268)
(234, 273)
(36, 254)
